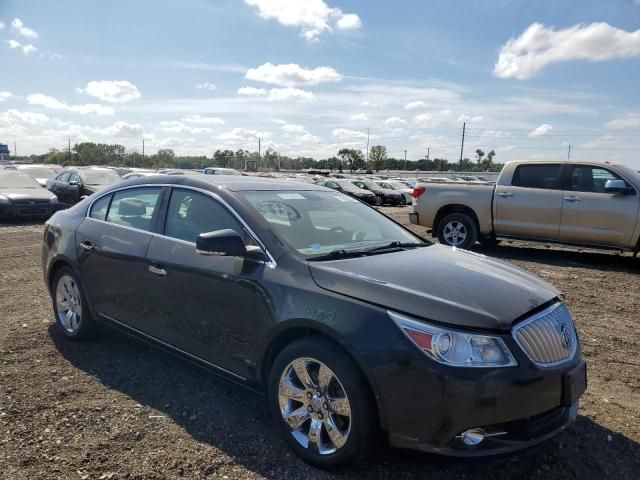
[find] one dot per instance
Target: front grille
(549, 337)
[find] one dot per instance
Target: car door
(74, 188)
(111, 244)
(204, 305)
(591, 215)
(531, 205)
(58, 187)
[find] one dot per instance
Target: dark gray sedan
(22, 196)
(353, 327)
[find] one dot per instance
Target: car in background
(172, 171)
(384, 196)
(398, 187)
(314, 299)
(21, 196)
(139, 173)
(348, 188)
(41, 173)
(74, 184)
(221, 171)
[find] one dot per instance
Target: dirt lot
(116, 408)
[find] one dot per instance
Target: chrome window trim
(271, 263)
(535, 317)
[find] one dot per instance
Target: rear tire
(332, 404)
(379, 201)
(70, 307)
(458, 230)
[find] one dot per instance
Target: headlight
(4, 199)
(53, 199)
(454, 348)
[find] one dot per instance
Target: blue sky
(310, 77)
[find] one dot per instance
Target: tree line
(89, 153)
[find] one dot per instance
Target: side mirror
(616, 186)
(74, 183)
(227, 243)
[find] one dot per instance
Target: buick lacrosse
(355, 329)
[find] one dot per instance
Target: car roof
(227, 182)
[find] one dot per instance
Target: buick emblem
(564, 331)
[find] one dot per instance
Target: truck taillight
(417, 191)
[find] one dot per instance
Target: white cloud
(4, 96)
(424, 119)
(279, 121)
(55, 104)
(350, 21)
(445, 112)
(1, 25)
(292, 74)
(542, 130)
(123, 130)
(180, 127)
(26, 49)
(206, 86)
(469, 118)
(293, 128)
(288, 93)
(29, 118)
(307, 138)
(252, 91)
(415, 104)
(395, 121)
(20, 28)
(312, 17)
(347, 134)
(203, 120)
(242, 135)
(539, 46)
(112, 91)
(359, 117)
(603, 141)
(631, 120)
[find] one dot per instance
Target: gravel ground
(115, 408)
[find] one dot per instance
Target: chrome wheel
(68, 303)
(455, 233)
(314, 405)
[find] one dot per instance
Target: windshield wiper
(395, 245)
(339, 253)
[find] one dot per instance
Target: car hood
(439, 283)
(17, 194)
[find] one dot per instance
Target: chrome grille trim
(549, 337)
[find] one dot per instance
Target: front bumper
(27, 210)
(427, 406)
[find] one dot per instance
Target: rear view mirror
(616, 186)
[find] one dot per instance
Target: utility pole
(428, 148)
(464, 126)
(569, 152)
(15, 149)
(405, 160)
(259, 153)
(367, 148)
(69, 152)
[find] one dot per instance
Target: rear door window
(134, 207)
(546, 176)
(100, 207)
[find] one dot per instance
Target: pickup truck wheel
(458, 230)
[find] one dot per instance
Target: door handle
(87, 246)
(505, 194)
(161, 272)
(572, 198)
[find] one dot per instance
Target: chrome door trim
(172, 347)
(271, 263)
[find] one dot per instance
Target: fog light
(473, 436)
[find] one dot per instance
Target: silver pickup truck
(580, 203)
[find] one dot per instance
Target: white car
(220, 171)
(400, 187)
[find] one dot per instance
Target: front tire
(70, 306)
(379, 201)
(458, 230)
(322, 404)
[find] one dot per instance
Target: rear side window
(99, 208)
(192, 213)
(64, 177)
(538, 176)
(134, 207)
(586, 178)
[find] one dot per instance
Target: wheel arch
(454, 208)
(296, 329)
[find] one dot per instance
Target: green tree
(377, 157)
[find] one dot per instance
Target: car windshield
(317, 223)
(398, 185)
(99, 178)
(348, 186)
(371, 185)
(40, 172)
(17, 180)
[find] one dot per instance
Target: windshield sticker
(345, 198)
(315, 246)
(290, 196)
